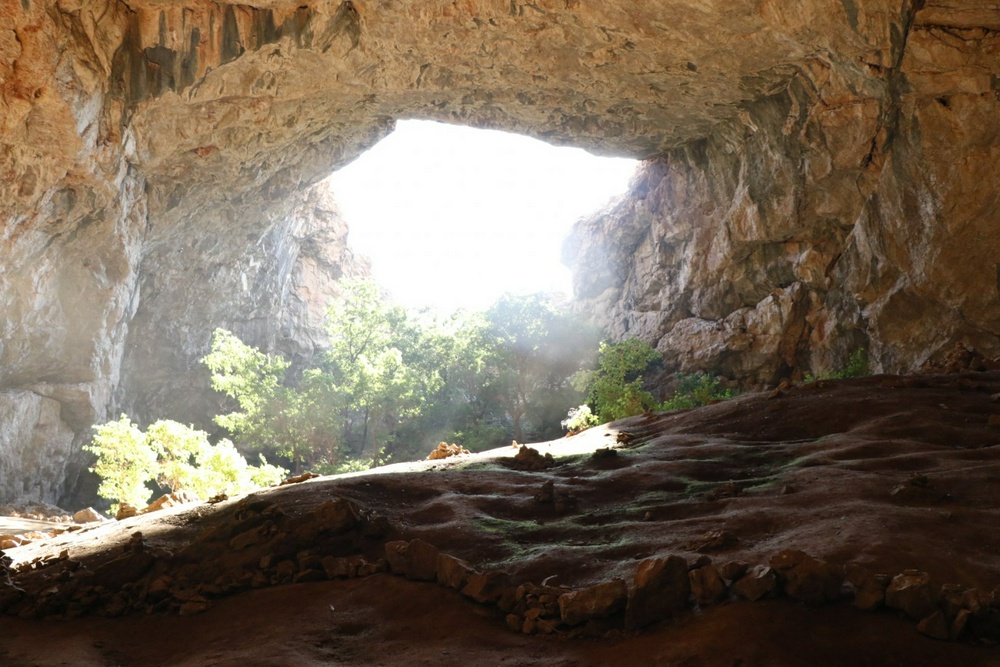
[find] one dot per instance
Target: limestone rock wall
(812, 183)
(854, 209)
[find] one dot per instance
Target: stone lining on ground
(263, 546)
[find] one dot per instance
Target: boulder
(487, 587)
(707, 585)
(935, 626)
(912, 593)
(88, 515)
(661, 588)
(170, 500)
(453, 572)
(423, 561)
(757, 583)
(598, 601)
(125, 511)
(807, 579)
(869, 588)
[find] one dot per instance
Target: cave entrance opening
(453, 216)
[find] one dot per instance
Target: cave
(816, 180)
(805, 193)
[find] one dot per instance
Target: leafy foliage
(178, 457)
(125, 462)
(392, 383)
(271, 415)
(615, 388)
(695, 389)
(857, 366)
(579, 419)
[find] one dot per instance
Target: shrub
(579, 419)
(857, 366)
(177, 456)
(125, 462)
(695, 389)
(615, 388)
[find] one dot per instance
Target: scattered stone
(958, 625)
(604, 454)
(453, 572)
(598, 601)
(285, 570)
(912, 593)
(807, 579)
(953, 599)
(935, 626)
(760, 581)
(125, 511)
(444, 451)
(296, 479)
(342, 568)
(701, 561)
(661, 589)
(306, 576)
(396, 554)
(170, 500)
(625, 438)
(376, 527)
(869, 588)
(88, 515)
(546, 626)
(707, 585)
(780, 390)
(514, 623)
(218, 498)
(648, 516)
(423, 561)
(528, 458)
(334, 517)
(733, 570)
(116, 573)
(195, 605)
(715, 540)
(487, 587)
(251, 537)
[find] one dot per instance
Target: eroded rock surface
(843, 210)
(815, 182)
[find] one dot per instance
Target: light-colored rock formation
(820, 179)
(849, 208)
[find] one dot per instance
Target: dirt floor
(887, 473)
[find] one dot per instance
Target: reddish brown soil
(892, 473)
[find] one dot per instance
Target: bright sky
(454, 217)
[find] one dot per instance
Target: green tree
(366, 360)
(124, 462)
(177, 448)
(615, 388)
(536, 349)
(271, 416)
(177, 456)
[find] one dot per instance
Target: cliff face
(814, 179)
(851, 209)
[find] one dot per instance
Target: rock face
(813, 186)
(841, 210)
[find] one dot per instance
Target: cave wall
(807, 190)
(853, 209)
